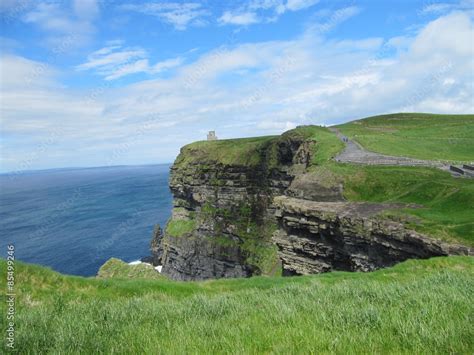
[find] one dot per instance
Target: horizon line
(19, 172)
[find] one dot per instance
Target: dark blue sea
(73, 220)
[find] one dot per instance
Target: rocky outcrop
(258, 206)
(222, 220)
(315, 237)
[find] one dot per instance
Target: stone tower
(211, 136)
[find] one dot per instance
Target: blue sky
(111, 82)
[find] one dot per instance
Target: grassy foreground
(415, 307)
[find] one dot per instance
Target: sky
(111, 82)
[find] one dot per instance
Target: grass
(254, 151)
(446, 203)
(418, 306)
(327, 145)
(180, 227)
(416, 135)
(414, 307)
(115, 268)
(242, 151)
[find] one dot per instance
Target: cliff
(260, 206)
(315, 237)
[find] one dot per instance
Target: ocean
(73, 220)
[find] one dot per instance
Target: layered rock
(257, 206)
(222, 220)
(315, 237)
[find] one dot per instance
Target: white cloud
(296, 5)
(107, 60)
(139, 66)
(438, 8)
(276, 126)
(307, 80)
(59, 23)
(179, 15)
(245, 18)
(257, 11)
(21, 72)
(114, 62)
(86, 9)
(333, 19)
(166, 64)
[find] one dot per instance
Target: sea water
(73, 220)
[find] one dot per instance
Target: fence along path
(355, 153)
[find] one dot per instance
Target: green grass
(414, 307)
(447, 203)
(242, 151)
(254, 151)
(180, 227)
(115, 268)
(327, 145)
(416, 135)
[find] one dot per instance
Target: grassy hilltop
(419, 306)
(445, 204)
(416, 135)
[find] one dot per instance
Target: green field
(416, 135)
(241, 151)
(414, 307)
(445, 204)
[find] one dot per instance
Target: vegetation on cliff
(256, 151)
(419, 306)
(213, 180)
(445, 204)
(116, 268)
(241, 151)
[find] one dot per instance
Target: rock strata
(315, 237)
(222, 220)
(257, 206)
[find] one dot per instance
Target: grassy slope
(116, 268)
(414, 307)
(250, 151)
(448, 203)
(241, 151)
(416, 135)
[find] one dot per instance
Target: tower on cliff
(211, 136)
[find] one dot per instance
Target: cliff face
(247, 207)
(315, 237)
(222, 220)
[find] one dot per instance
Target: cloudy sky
(112, 82)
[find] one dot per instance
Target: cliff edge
(272, 205)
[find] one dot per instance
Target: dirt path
(355, 153)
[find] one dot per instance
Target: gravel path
(355, 153)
